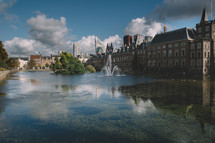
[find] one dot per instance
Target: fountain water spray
(108, 67)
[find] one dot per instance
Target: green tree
(47, 65)
(3, 56)
(31, 63)
(13, 63)
(68, 64)
(90, 69)
(39, 66)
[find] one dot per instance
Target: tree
(13, 63)
(47, 65)
(3, 56)
(31, 63)
(68, 64)
(24, 66)
(40, 66)
(90, 69)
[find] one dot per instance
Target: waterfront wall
(3, 74)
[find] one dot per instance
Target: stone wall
(3, 74)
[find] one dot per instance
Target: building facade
(182, 51)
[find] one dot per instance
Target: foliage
(40, 66)
(13, 63)
(3, 56)
(24, 66)
(68, 64)
(31, 63)
(90, 69)
(47, 65)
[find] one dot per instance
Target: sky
(49, 26)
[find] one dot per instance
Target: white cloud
(87, 44)
(47, 35)
(21, 47)
(49, 31)
(142, 26)
(116, 40)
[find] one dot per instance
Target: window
(159, 54)
(183, 52)
(199, 36)
(176, 52)
(149, 55)
(154, 55)
(207, 35)
(199, 29)
(164, 54)
(158, 47)
(193, 63)
(193, 55)
(199, 45)
(164, 46)
(207, 28)
(205, 54)
(199, 54)
(176, 44)
(193, 46)
(169, 45)
(170, 53)
(183, 44)
(208, 54)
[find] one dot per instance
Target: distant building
(37, 58)
(23, 62)
(76, 49)
(138, 39)
(127, 40)
(109, 48)
(44, 60)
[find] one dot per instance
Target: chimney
(164, 29)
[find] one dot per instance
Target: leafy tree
(68, 64)
(47, 65)
(3, 56)
(40, 66)
(13, 63)
(31, 63)
(24, 66)
(90, 69)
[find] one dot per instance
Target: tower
(76, 49)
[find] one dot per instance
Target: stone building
(182, 51)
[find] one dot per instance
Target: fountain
(108, 67)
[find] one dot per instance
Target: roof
(176, 35)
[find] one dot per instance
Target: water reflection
(64, 108)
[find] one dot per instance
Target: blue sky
(106, 19)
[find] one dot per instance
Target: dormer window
(199, 29)
(207, 28)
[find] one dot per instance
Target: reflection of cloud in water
(142, 107)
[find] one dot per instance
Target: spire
(204, 16)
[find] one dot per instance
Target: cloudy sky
(49, 26)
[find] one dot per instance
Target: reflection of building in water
(206, 87)
(178, 97)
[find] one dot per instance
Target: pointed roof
(204, 16)
(176, 35)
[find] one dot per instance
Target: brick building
(183, 51)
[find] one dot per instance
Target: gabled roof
(176, 35)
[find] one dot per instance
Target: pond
(43, 107)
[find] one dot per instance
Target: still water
(42, 107)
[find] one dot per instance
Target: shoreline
(4, 74)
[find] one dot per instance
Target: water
(47, 108)
(108, 67)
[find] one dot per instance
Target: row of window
(164, 46)
(170, 63)
(176, 54)
(207, 28)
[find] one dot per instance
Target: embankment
(3, 74)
